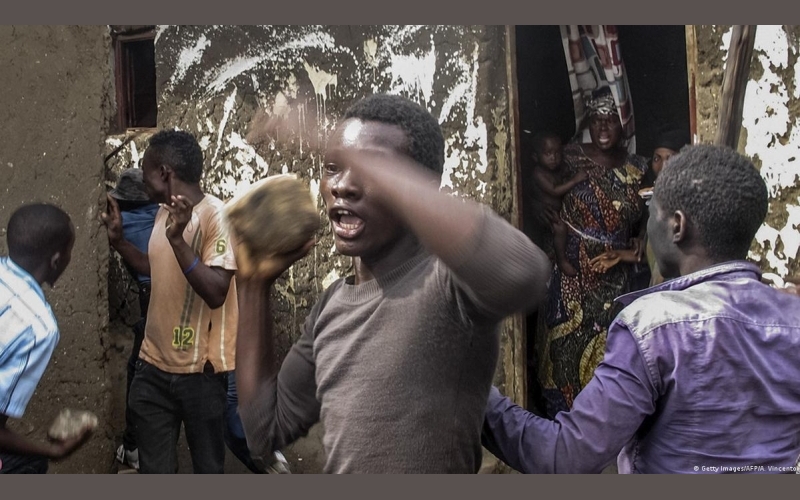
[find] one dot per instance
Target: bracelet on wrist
(191, 268)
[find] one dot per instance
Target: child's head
(40, 239)
(547, 150)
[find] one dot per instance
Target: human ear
(55, 268)
(679, 225)
(55, 259)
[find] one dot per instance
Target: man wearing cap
(138, 214)
(180, 378)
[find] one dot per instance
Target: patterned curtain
(594, 61)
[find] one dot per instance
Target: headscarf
(673, 139)
(601, 103)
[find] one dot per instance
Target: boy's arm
(135, 258)
(11, 442)
(27, 358)
(276, 406)
(546, 184)
(504, 275)
(210, 282)
(604, 417)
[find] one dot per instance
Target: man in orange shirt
(190, 336)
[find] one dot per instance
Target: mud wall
(770, 130)
(56, 82)
(211, 80)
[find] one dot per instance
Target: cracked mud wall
(56, 86)
(212, 79)
(770, 130)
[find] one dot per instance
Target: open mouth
(604, 139)
(345, 223)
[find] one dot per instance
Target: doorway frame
(516, 367)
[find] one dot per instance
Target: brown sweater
(399, 368)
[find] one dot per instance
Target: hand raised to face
(112, 220)
(180, 213)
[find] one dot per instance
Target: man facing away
(190, 336)
(396, 360)
(700, 372)
(40, 239)
(138, 216)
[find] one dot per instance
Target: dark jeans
(129, 436)
(21, 464)
(161, 401)
(234, 432)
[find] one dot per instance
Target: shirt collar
(25, 276)
(730, 269)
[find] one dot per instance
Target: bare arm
(276, 406)
(11, 442)
(546, 184)
(135, 258)
(450, 227)
(210, 283)
(255, 345)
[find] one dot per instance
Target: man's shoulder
(210, 211)
(214, 201)
(24, 305)
(210, 206)
(666, 307)
(329, 292)
(744, 301)
(26, 324)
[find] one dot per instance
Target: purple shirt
(701, 374)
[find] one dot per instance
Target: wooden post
(691, 71)
(516, 376)
(734, 85)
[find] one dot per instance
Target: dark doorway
(655, 61)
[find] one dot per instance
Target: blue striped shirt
(28, 337)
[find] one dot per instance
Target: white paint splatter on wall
(189, 56)
(475, 135)
(216, 80)
(210, 90)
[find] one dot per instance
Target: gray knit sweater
(399, 368)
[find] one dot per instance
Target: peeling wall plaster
(769, 131)
(771, 120)
(203, 75)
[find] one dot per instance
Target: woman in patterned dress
(601, 214)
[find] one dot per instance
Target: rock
(70, 423)
(275, 215)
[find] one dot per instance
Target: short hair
(720, 191)
(425, 139)
(180, 151)
(36, 232)
(538, 140)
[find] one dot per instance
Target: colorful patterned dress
(601, 214)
